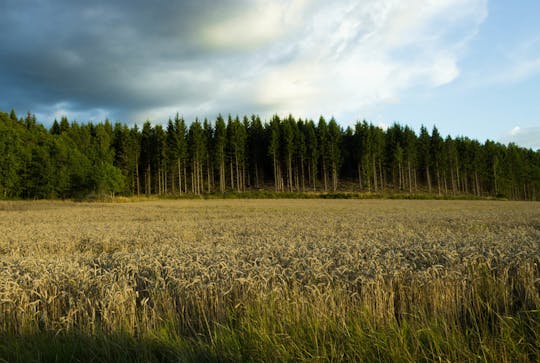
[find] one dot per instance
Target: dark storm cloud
(134, 60)
(121, 55)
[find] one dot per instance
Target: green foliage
(107, 179)
(11, 156)
(286, 155)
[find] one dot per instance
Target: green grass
(268, 194)
(307, 327)
(269, 337)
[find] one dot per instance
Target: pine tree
(134, 147)
(197, 150)
(172, 152)
(159, 159)
(274, 151)
(424, 150)
(410, 156)
(146, 156)
(301, 148)
(256, 146)
(287, 139)
(122, 157)
(322, 138)
(436, 150)
(334, 150)
(312, 150)
(78, 159)
(11, 158)
(377, 138)
(13, 116)
(208, 135)
(55, 128)
(453, 164)
(64, 125)
(181, 152)
(220, 143)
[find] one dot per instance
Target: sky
(469, 67)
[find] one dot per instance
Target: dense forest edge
(248, 157)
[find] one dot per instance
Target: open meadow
(270, 280)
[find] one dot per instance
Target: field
(270, 280)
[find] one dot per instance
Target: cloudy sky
(470, 67)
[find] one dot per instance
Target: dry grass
(277, 279)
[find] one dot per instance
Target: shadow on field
(112, 348)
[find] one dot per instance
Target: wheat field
(270, 280)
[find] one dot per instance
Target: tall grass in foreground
(249, 292)
(492, 314)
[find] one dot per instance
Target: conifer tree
(274, 151)
(220, 143)
(312, 150)
(334, 150)
(424, 150)
(322, 138)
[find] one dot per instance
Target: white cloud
(528, 137)
(514, 65)
(515, 131)
(253, 27)
(518, 71)
(49, 113)
(351, 56)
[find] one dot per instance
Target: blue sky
(496, 93)
(470, 67)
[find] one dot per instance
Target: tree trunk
(303, 176)
(159, 181)
(381, 176)
(275, 174)
(238, 186)
(314, 176)
(232, 175)
(495, 181)
(359, 170)
(325, 176)
(428, 179)
(289, 174)
(244, 176)
(137, 175)
(453, 180)
(477, 182)
(184, 164)
(415, 181)
(222, 176)
(438, 180)
(209, 189)
(409, 173)
(375, 182)
(256, 176)
(179, 177)
(334, 177)
(149, 184)
(459, 185)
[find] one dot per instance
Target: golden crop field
(270, 280)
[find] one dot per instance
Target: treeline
(285, 154)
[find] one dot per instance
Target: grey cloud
(123, 55)
(138, 59)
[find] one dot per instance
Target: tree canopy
(74, 159)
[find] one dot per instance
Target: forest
(233, 154)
